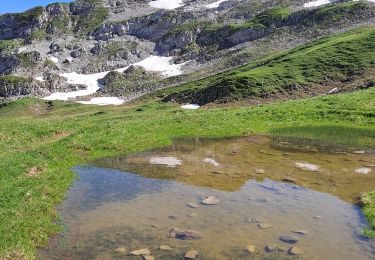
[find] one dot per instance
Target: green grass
(337, 58)
(368, 200)
(58, 138)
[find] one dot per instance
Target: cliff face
(89, 36)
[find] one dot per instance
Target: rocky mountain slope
(41, 46)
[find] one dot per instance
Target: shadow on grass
(356, 137)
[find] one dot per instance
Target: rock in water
(307, 166)
(147, 257)
(260, 171)
(289, 180)
(139, 252)
(271, 248)
(188, 235)
(191, 254)
(264, 226)
(173, 232)
(165, 247)
(121, 250)
(251, 249)
(192, 205)
(289, 239)
(301, 232)
(295, 251)
(210, 200)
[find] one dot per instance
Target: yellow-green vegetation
(337, 58)
(40, 142)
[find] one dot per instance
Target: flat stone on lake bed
(295, 251)
(264, 226)
(289, 239)
(121, 250)
(165, 247)
(301, 232)
(191, 254)
(188, 235)
(271, 248)
(251, 249)
(260, 171)
(147, 257)
(307, 166)
(192, 205)
(144, 251)
(210, 200)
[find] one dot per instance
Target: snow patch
(217, 4)
(317, 3)
(151, 63)
(167, 161)
(161, 64)
(103, 101)
(190, 106)
(166, 4)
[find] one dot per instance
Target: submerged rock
(363, 170)
(301, 232)
(121, 250)
(139, 252)
(289, 239)
(147, 257)
(251, 249)
(165, 247)
(188, 235)
(271, 248)
(289, 180)
(264, 226)
(295, 251)
(210, 200)
(191, 254)
(192, 205)
(260, 171)
(307, 166)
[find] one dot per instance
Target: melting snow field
(103, 101)
(316, 3)
(190, 106)
(215, 4)
(166, 4)
(152, 63)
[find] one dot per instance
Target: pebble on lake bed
(251, 249)
(264, 226)
(301, 232)
(289, 180)
(147, 257)
(192, 205)
(363, 170)
(139, 252)
(271, 248)
(165, 247)
(191, 254)
(260, 171)
(188, 235)
(121, 250)
(307, 166)
(295, 251)
(210, 200)
(289, 239)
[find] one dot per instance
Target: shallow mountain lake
(270, 194)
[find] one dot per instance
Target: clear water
(107, 209)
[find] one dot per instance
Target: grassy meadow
(40, 142)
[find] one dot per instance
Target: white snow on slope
(190, 106)
(316, 3)
(166, 4)
(152, 63)
(103, 101)
(215, 4)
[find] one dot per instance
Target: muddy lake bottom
(270, 195)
